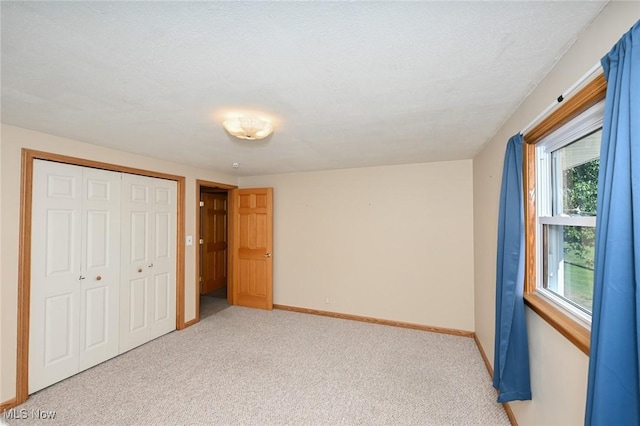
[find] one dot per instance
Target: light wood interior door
(253, 247)
(214, 245)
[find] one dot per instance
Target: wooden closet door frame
(24, 256)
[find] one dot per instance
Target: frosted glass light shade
(251, 128)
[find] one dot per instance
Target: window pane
(575, 176)
(568, 263)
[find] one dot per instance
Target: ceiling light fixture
(247, 127)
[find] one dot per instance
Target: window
(567, 181)
(561, 162)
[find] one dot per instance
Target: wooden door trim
(233, 225)
(231, 244)
(208, 184)
(24, 249)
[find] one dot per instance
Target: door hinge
(201, 203)
(200, 279)
(201, 241)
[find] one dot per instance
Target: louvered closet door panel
(55, 273)
(99, 309)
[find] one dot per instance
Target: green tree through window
(581, 191)
(580, 198)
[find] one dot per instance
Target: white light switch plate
(189, 240)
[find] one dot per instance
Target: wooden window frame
(592, 93)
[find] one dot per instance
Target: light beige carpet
(247, 366)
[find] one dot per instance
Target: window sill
(572, 330)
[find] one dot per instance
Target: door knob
(98, 278)
(139, 269)
(267, 255)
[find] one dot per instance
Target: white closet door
(101, 267)
(162, 315)
(147, 294)
(55, 273)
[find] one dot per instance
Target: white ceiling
(348, 84)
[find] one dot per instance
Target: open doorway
(213, 256)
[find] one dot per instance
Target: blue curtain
(613, 396)
(511, 356)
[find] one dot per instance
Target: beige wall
(558, 370)
(13, 139)
(392, 242)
